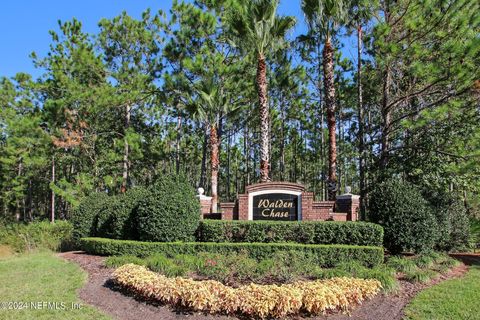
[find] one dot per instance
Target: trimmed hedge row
(307, 232)
(323, 255)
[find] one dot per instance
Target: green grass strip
(452, 299)
(40, 278)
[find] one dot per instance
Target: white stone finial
(201, 191)
(348, 189)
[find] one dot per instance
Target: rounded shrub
(122, 221)
(105, 217)
(405, 215)
(170, 212)
(453, 223)
(85, 216)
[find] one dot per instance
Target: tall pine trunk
(215, 164)
(17, 203)
(52, 207)
(361, 126)
(126, 149)
(228, 164)
(247, 157)
(385, 109)
(282, 141)
(329, 87)
(264, 119)
(386, 118)
(177, 144)
(203, 169)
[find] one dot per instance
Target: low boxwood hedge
(323, 255)
(307, 232)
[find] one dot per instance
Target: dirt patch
(100, 292)
(5, 251)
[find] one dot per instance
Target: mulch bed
(101, 293)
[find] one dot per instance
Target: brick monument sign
(283, 201)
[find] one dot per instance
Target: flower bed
(313, 297)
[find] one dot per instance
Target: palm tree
(325, 17)
(210, 107)
(255, 25)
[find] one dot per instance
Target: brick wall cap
(323, 203)
(227, 204)
(275, 185)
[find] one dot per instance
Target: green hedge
(314, 232)
(22, 237)
(323, 255)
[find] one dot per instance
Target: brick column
(306, 205)
(350, 204)
(243, 207)
(228, 210)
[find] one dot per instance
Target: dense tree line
(223, 92)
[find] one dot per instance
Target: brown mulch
(101, 293)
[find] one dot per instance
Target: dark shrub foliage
(405, 215)
(108, 216)
(123, 222)
(103, 222)
(322, 255)
(314, 232)
(453, 223)
(170, 212)
(85, 217)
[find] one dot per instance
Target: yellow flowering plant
(260, 301)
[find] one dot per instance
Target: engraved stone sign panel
(275, 206)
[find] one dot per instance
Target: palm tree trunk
(264, 119)
(330, 103)
(215, 164)
(282, 142)
(322, 123)
(340, 152)
(361, 134)
(126, 150)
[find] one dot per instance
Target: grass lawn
(42, 277)
(452, 299)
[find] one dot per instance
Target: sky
(24, 24)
